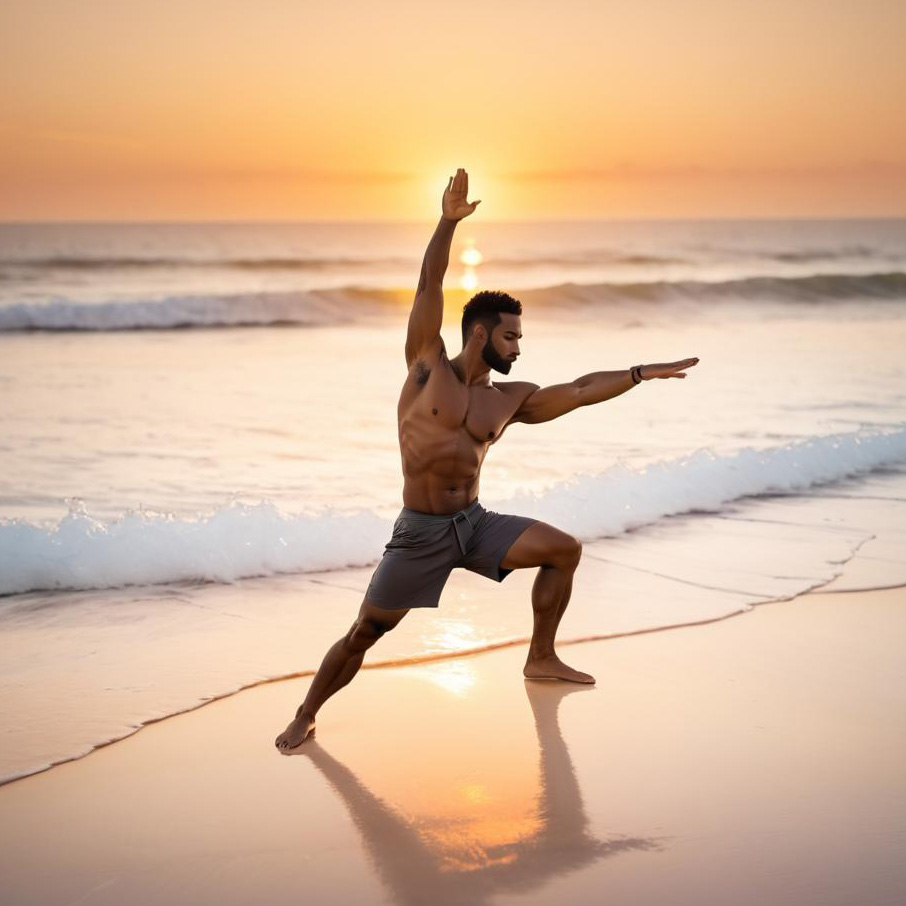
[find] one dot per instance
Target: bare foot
(551, 667)
(300, 728)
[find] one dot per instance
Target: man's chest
(446, 404)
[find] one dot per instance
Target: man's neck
(471, 368)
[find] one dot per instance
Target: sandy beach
(758, 758)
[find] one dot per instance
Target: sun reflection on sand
(454, 635)
(479, 842)
(498, 817)
(457, 677)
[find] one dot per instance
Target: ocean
(200, 464)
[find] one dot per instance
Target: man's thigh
(542, 545)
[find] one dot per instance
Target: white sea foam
(241, 540)
(621, 498)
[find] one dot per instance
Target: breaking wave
(302, 308)
(347, 304)
(815, 289)
(241, 541)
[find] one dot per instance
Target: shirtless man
(449, 415)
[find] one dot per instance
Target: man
(449, 414)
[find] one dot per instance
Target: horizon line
(424, 221)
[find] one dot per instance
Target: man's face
(502, 346)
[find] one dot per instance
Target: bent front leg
(557, 555)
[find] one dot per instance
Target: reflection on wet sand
(458, 857)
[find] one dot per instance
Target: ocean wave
(294, 262)
(301, 262)
(820, 254)
(814, 289)
(241, 540)
(587, 256)
(350, 303)
(305, 308)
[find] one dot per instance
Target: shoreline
(431, 658)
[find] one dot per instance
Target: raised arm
(547, 403)
(428, 309)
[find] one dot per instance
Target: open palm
(454, 204)
(668, 369)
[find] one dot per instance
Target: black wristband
(636, 369)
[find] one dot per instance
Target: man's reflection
(459, 860)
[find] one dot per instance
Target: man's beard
(494, 359)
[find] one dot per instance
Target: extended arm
(428, 308)
(551, 402)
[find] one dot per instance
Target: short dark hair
(485, 308)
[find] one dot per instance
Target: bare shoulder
(518, 390)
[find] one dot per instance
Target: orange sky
(290, 110)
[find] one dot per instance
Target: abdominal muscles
(451, 457)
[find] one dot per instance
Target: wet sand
(755, 759)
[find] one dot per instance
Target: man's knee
(365, 632)
(565, 553)
(571, 553)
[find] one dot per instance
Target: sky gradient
(277, 110)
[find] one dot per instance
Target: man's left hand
(666, 369)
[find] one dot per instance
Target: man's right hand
(454, 204)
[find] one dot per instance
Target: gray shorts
(424, 549)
